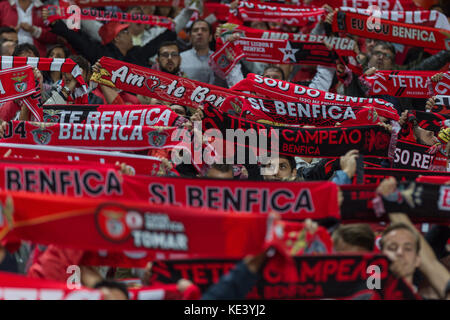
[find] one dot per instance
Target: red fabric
(397, 32)
(9, 17)
(100, 15)
(109, 225)
(19, 287)
(110, 30)
(286, 91)
(53, 263)
(128, 98)
(411, 84)
(8, 110)
(161, 85)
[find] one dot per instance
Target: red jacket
(9, 18)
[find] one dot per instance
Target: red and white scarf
(391, 5)
(274, 12)
(19, 83)
(427, 18)
(18, 287)
(160, 85)
(286, 91)
(279, 51)
(51, 64)
(106, 3)
(412, 84)
(139, 164)
(94, 137)
(278, 112)
(391, 31)
(161, 231)
(62, 12)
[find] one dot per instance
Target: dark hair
(82, 63)
(186, 109)
(112, 285)
(221, 167)
(201, 20)
(2, 41)
(6, 30)
(275, 68)
(291, 160)
(167, 44)
(21, 48)
(58, 45)
(357, 234)
(385, 45)
(400, 225)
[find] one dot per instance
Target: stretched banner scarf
(126, 115)
(422, 203)
(295, 200)
(307, 277)
(230, 28)
(106, 3)
(90, 136)
(431, 120)
(19, 83)
(376, 175)
(279, 51)
(409, 155)
(291, 113)
(391, 5)
(18, 287)
(428, 18)
(162, 231)
(290, 15)
(51, 64)
(140, 165)
(412, 84)
(391, 31)
(159, 85)
(286, 91)
(55, 13)
(313, 142)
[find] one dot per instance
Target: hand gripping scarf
(391, 31)
(51, 64)
(286, 91)
(62, 12)
(19, 83)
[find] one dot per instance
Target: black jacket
(93, 50)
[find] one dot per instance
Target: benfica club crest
(20, 84)
(111, 222)
(42, 136)
(223, 62)
(52, 118)
(157, 139)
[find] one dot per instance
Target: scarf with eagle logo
(19, 83)
(52, 64)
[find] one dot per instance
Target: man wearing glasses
(169, 59)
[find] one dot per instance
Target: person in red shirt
(26, 17)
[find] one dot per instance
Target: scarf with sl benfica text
(278, 112)
(326, 142)
(286, 91)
